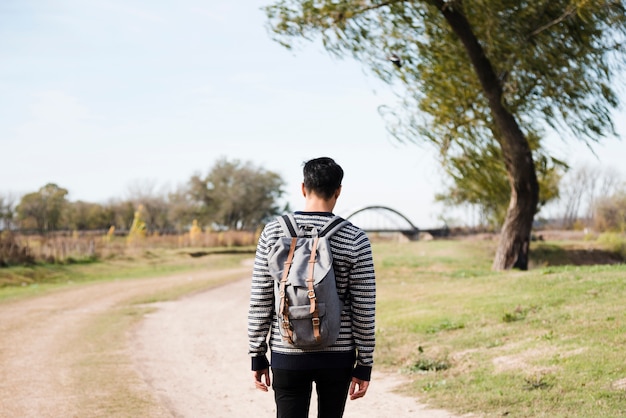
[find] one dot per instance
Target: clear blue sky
(98, 96)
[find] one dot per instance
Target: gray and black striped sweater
(356, 285)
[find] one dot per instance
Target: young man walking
(343, 368)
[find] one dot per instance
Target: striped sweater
(354, 273)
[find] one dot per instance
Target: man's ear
(303, 190)
(337, 193)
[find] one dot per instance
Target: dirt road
(89, 351)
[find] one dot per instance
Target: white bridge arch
(383, 219)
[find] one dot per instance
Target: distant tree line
(240, 196)
(232, 196)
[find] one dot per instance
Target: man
(343, 368)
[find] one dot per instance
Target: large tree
(236, 195)
(474, 74)
(44, 208)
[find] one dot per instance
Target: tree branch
(568, 12)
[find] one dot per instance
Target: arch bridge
(383, 219)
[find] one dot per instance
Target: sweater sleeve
(261, 306)
(363, 295)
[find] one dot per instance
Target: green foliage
(43, 208)
(555, 59)
(236, 195)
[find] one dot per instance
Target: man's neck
(314, 204)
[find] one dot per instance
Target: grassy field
(543, 343)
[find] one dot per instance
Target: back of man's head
(322, 176)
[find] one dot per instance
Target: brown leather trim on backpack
(312, 298)
(284, 305)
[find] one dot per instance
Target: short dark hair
(322, 176)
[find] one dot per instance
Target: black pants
(292, 392)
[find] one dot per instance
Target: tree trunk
(513, 246)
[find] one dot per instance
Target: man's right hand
(358, 388)
(260, 382)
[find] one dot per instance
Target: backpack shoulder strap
(333, 225)
(291, 229)
(289, 225)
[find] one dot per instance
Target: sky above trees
(98, 96)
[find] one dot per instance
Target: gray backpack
(305, 293)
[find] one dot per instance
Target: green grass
(543, 343)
